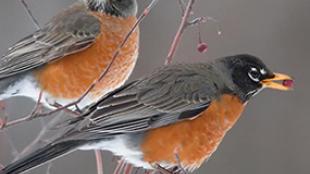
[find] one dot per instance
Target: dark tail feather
(40, 157)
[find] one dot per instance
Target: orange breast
(70, 76)
(193, 140)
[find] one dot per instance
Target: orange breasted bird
(174, 117)
(64, 57)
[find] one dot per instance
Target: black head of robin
(250, 75)
(174, 117)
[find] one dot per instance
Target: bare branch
(39, 137)
(182, 6)
(183, 25)
(99, 161)
(119, 167)
(29, 13)
(31, 116)
(15, 152)
(128, 169)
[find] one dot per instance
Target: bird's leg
(161, 169)
(78, 109)
(38, 107)
(74, 113)
(180, 167)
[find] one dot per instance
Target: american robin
(174, 117)
(62, 59)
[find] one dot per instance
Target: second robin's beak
(286, 82)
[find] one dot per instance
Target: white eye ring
(255, 79)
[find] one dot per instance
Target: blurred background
(272, 136)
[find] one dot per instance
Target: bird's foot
(175, 170)
(76, 112)
(162, 170)
(179, 168)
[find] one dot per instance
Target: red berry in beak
(288, 83)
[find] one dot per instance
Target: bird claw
(179, 169)
(76, 112)
(161, 169)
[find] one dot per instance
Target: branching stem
(184, 24)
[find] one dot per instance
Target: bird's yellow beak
(273, 83)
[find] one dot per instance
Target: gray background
(272, 136)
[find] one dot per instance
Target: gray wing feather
(172, 94)
(69, 32)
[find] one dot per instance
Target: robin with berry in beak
(172, 119)
(61, 60)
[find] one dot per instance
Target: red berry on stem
(202, 47)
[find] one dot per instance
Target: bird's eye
(254, 74)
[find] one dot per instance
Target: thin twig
(29, 13)
(49, 168)
(99, 161)
(15, 152)
(39, 137)
(183, 25)
(119, 167)
(182, 5)
(29, 117)
(128, 169)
